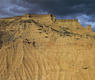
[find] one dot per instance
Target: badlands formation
(40, 47)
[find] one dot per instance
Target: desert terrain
(41, 47)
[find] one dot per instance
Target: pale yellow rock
(39, 47)
(88, 28)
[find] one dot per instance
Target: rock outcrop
(39, 47)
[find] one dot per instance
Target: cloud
(86, 20)
(66, 7)
(80, 9)
(56, 7)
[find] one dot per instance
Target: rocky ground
(34, 49)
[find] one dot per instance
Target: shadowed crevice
(1, 42)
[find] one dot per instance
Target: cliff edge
(41, 47)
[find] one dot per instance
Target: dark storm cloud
(17, 7)
(66, 7)
(80, 9)
(57, 7)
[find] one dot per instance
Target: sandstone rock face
(38, 47)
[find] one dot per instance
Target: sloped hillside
(39, 47)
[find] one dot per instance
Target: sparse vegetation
(25, 21)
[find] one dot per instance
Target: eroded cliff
(39, 47)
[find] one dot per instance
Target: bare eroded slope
(38, 47)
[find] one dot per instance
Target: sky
(83, 10)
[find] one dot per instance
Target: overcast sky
(67, 9)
